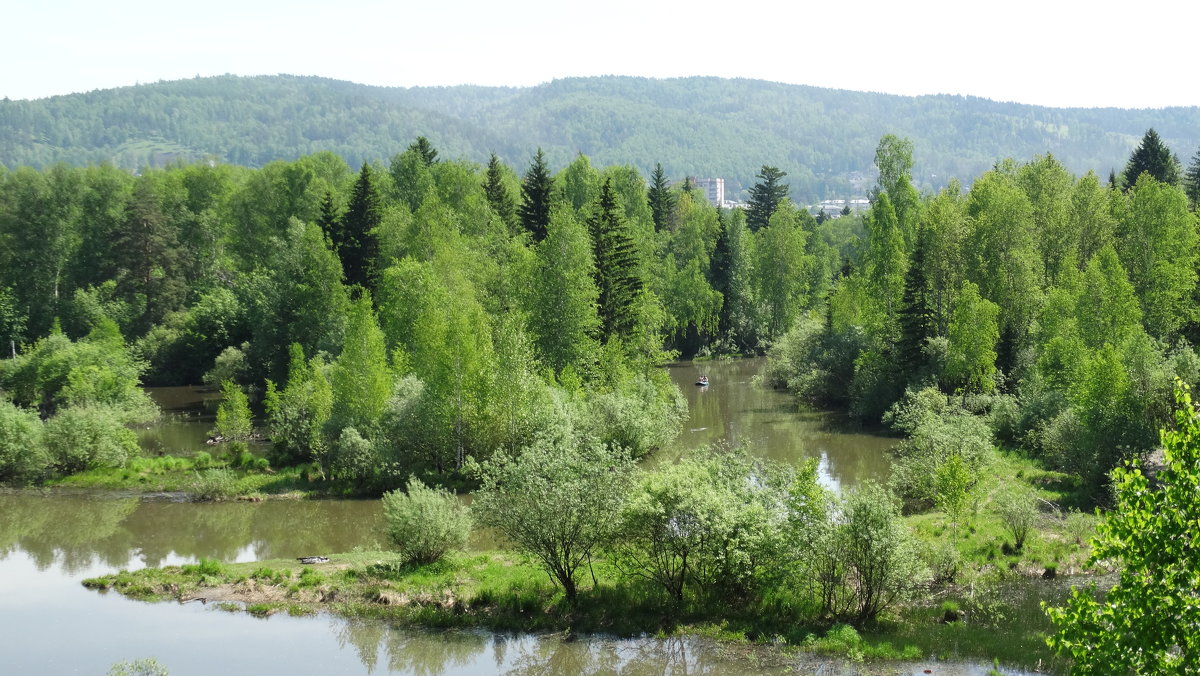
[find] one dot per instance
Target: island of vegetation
(435, 323)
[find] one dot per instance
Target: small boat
(702, 381)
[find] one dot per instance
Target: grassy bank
(502, 591)
(226, 477)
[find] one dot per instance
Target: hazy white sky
(1046, 52)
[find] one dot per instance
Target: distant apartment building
(713, 189)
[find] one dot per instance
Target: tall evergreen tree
(765, 197)
(1154, 157)
(497, 195)
(918, 320)
(360, 247)
(147, 258)
(330, 221)
(1191, 181)
(537, 195)
(618, 277)
(660, 198)
(425, 149)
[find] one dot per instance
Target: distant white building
(713, 189)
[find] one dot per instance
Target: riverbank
(502, 591)
(202, 477)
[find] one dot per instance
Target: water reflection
(380, 646)
(77, 531)
(733, 410)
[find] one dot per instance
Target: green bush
(425, 523)
(880, 553)
(233, 415)
(938, 431)
(22, 452)
(214, 484)
(713, 522)
(89, 437)
(1017, 509)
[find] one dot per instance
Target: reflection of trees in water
(213, 530)
(410, 652)
(676, 656)
(72, 532)
(79, 530)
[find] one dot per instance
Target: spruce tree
(537, 192)
(360, 246)
(1154, 157)
(1191, 181)
(425, 149)
(660, 198)
(917, 319)
(765, 197)
(497, 195)
(330, 221)
(618, 277)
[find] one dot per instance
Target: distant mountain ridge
(700, 126)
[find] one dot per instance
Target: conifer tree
(497, 195)
(537, 195)
(360, 246)
(1191, 181)
(330, 221)
(917, 319)
(147, 257)
(1154, 157)
(618, 277)
(660, 198)
(425, 149)
(765, 197)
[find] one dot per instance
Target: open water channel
(49, 542)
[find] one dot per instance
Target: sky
(1047, 52)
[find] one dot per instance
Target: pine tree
(1154, 157)
(660, 198)
(360, 247)
(618, 276)
(425, 149)
(497, 195)
(1191, 181)
(330, 221)
(537, 191)
(917, 319)
(765, 197)
(147, 259)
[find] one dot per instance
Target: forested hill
(823, 138)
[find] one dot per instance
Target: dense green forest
(823, 138)
(407, 316)
(504, 327)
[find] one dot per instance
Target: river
(51, 541)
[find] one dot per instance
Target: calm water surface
(733, 410)
(50, 624)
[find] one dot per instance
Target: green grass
(224, 477)
(1058, 541)
(503, 591)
